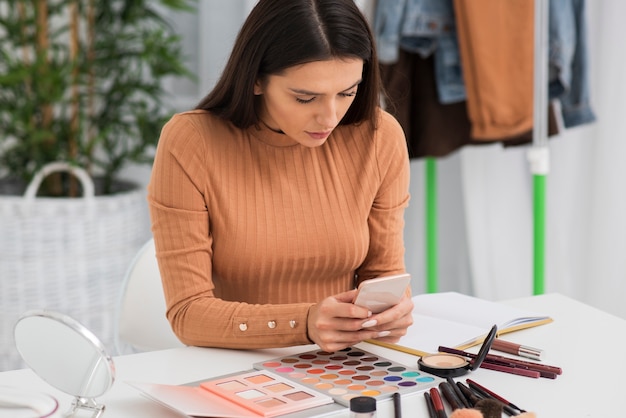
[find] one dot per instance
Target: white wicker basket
(68, 255)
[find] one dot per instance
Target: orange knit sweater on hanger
(251, 230)
(496, 48)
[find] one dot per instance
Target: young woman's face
(306, 102)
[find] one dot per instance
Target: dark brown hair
(279, 34)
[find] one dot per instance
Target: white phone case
(382, 293)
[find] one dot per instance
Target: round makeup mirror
(67, 356)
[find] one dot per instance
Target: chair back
(141, 322)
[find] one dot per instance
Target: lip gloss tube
(517, 349)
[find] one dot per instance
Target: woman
(284, 189)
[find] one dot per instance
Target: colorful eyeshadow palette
(348, 373)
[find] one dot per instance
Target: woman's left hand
(393, 323)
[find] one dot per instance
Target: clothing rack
(538, 157)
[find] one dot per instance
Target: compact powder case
(452, 365)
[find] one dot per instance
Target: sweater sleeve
(182, 233)
(385, 254)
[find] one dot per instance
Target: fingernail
(369, 323)
(383, 334)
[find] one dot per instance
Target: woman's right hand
(336, 323)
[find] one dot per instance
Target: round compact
(452, 365)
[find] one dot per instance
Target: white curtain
(485, 193)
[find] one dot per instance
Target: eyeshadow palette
(348, 373)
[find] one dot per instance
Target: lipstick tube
(517, 349)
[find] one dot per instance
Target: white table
(584, 341)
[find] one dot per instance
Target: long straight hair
(279, 34)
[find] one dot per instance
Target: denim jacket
(424, 27)
(427, 27)
(569, 69)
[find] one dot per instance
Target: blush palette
(257, 393)
(348, 373)
(264, 393)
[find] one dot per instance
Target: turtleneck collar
(269, 136)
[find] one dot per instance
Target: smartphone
(382, 293)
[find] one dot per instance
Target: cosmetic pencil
(397, 405)
(504, 361)
(458, 392)
(438, 403)
(517, 349)
(449, 395)
(429, 404)
(512, 370)
(545, 370)
(494, 395)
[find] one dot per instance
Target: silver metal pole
(540, 79)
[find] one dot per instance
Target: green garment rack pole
(539, 233)
(538, 155)
(431, 225)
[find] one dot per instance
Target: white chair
(141, 323)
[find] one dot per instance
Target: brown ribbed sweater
(251, 230)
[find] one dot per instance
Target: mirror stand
(88, 404)
(68, 356)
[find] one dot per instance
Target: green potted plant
(81, 83)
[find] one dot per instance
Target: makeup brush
(490, 408)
